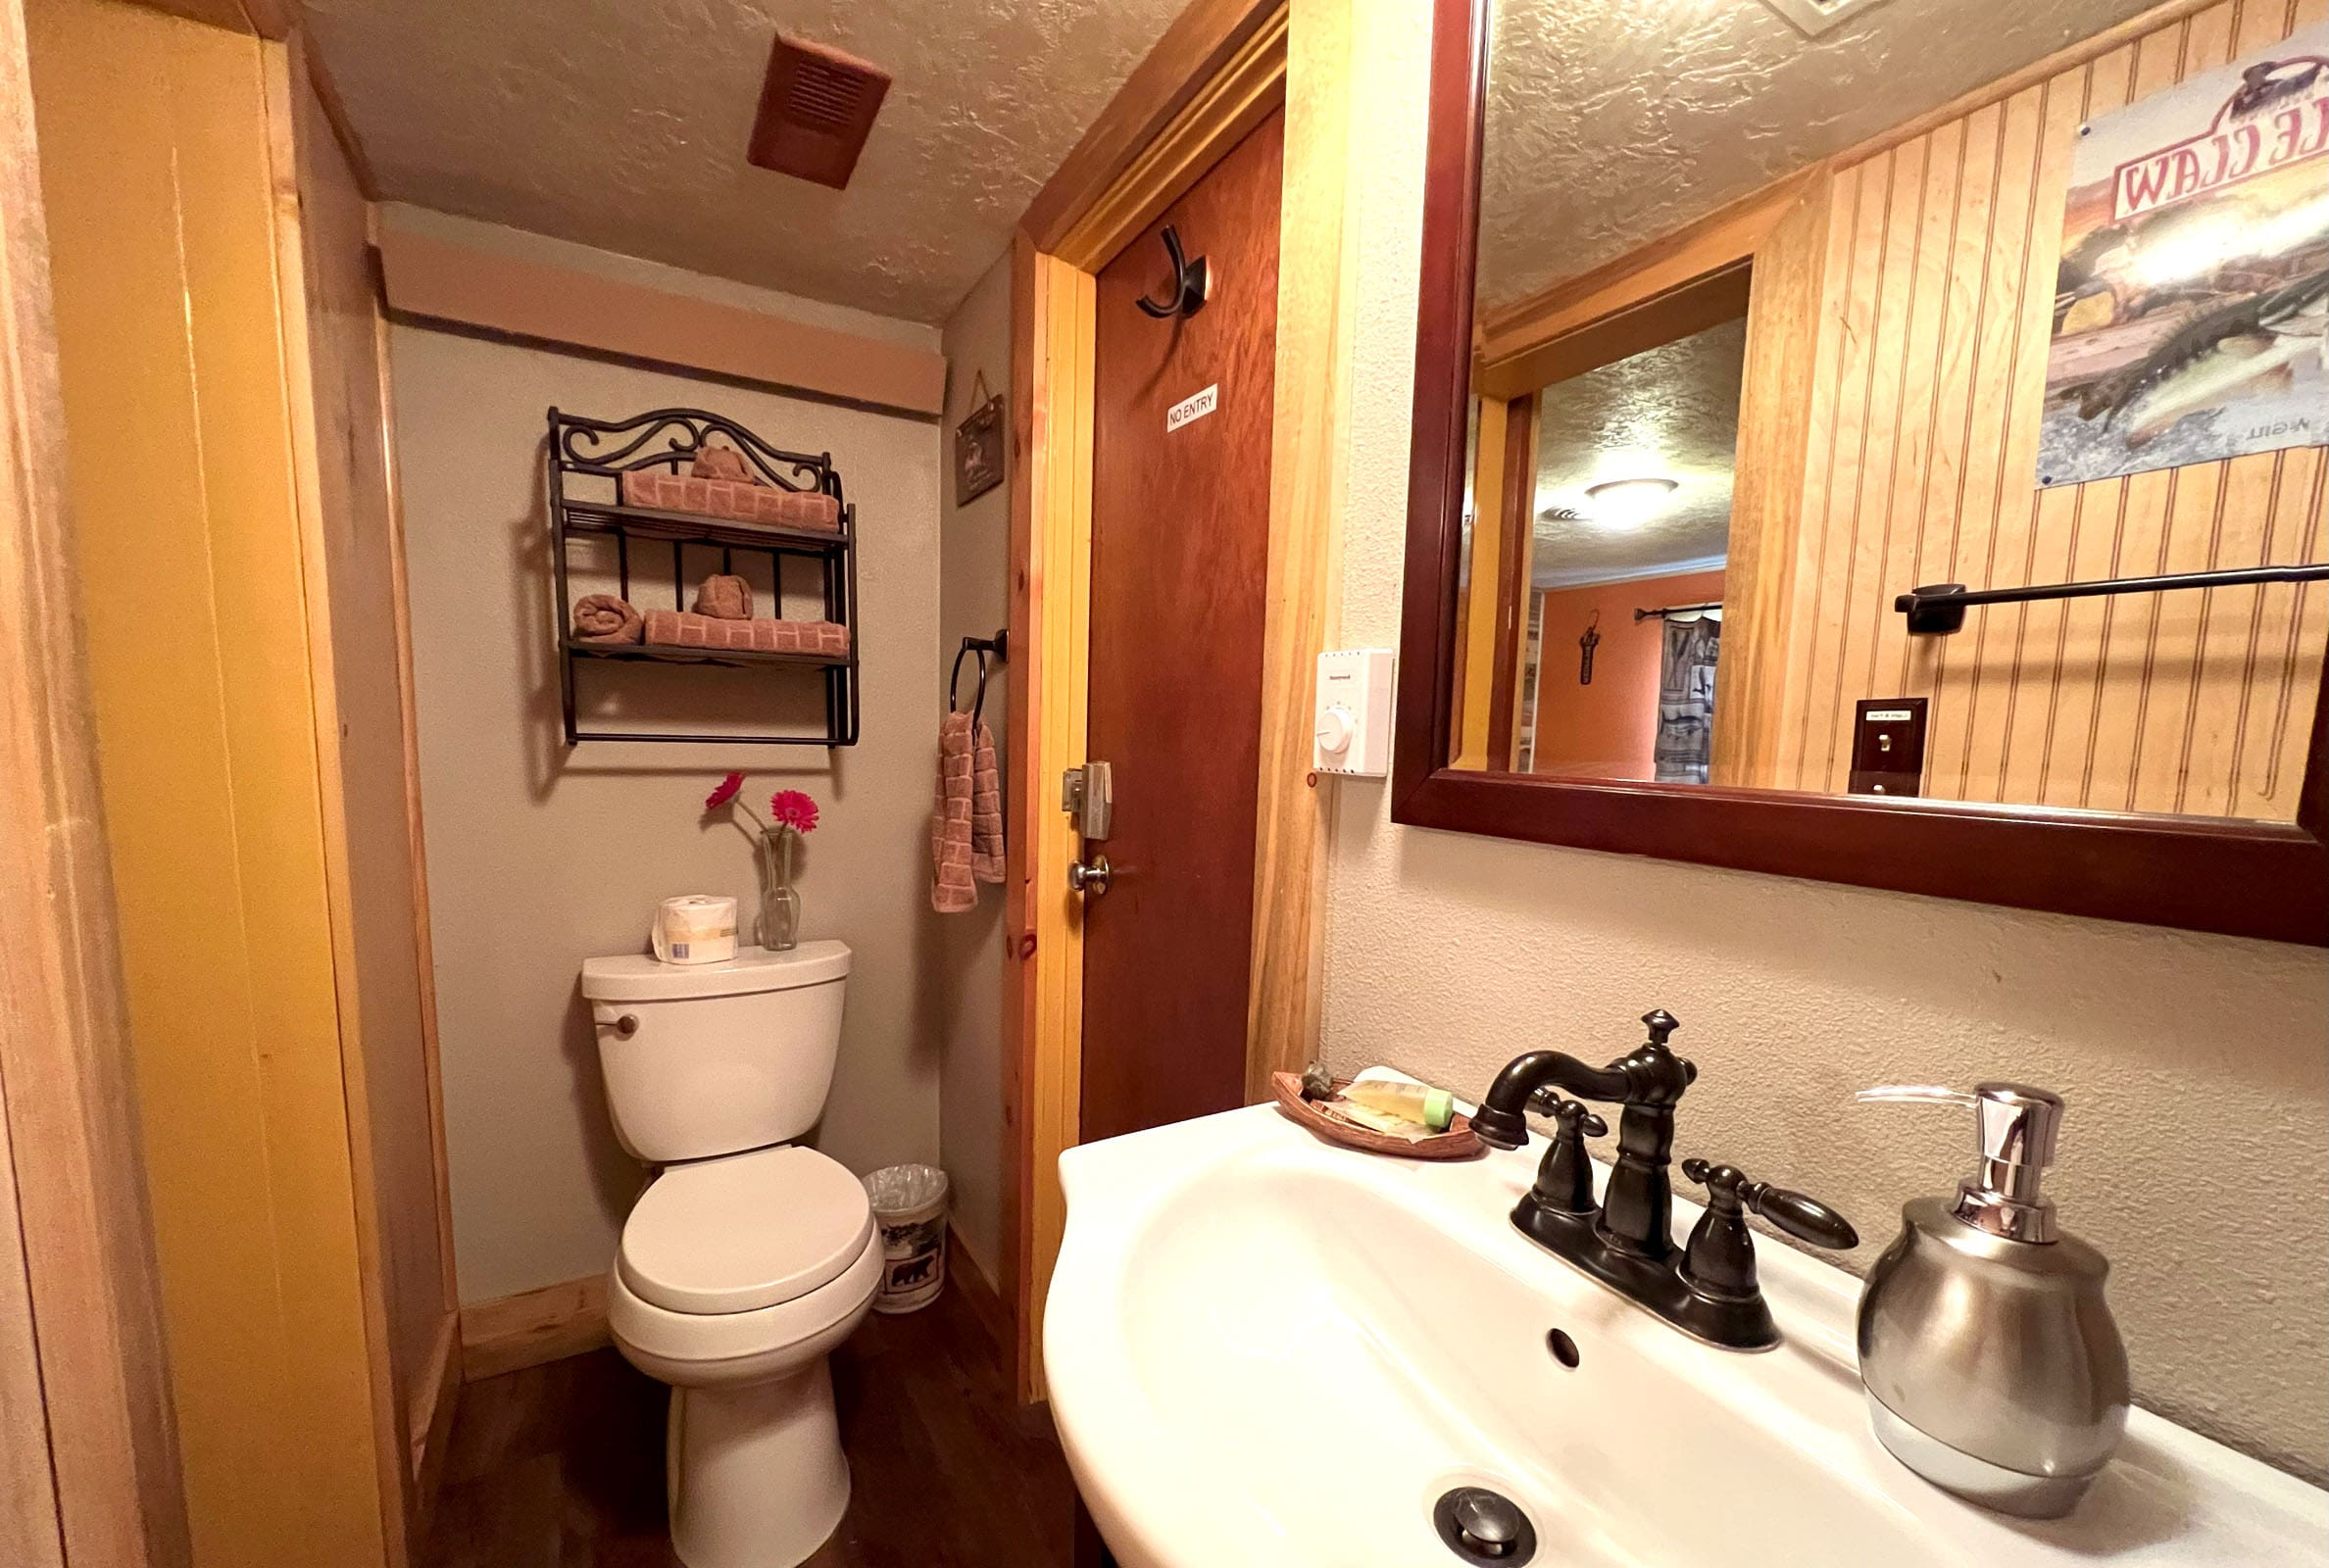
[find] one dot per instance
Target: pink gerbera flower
(794, 809)
(723, 792)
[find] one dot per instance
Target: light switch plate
(1351, 732)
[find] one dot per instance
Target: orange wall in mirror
(1610, 728)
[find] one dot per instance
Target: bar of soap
(1378, 1121)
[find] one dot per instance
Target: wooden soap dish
(1459, 1141)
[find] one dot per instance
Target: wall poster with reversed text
(2193, 278)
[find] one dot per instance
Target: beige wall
(540, 856)
(2197, 1150)
(974, 600)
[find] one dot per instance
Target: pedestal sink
(1264, 1350)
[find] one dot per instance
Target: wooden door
(1180, 541)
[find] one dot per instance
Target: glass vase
(780, 901)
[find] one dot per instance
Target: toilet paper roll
(696, 928)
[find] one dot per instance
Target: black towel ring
(998, 645)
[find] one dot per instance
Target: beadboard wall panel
(1932, 368)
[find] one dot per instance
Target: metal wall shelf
(602, 451)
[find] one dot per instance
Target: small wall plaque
(979, 444)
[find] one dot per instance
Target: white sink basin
(1262, 1349)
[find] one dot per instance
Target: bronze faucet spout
(1637, 1211)
(1500, 1123)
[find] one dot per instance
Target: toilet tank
(710, 1058)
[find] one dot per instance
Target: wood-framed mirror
(1694, 450)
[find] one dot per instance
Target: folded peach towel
(720, 462)
(736, 500)
(605, 619)
(965, 817)
(671, 628)
(724, 598)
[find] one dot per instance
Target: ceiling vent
(816, 110)
(1812, 17)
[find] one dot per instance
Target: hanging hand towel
(965, 817)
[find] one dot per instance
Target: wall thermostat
(1352, 735)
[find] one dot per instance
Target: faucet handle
(1661, 1025)
(1564, 1177)
(1572, 1114)
(1804, 1218)
(1719, 1262)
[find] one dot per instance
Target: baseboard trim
(978, 1291)
(513, 1332)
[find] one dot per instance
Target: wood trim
(1219, 72)
(1050, 734)
(1510, 337)
(513, 1332)
(1427, 645)
(424, 940)
(1242, 93)
(1518, 497)
(1645, 322)
(1308, 482)
(279, 21)
(444, 282)
(283, 65)
(1475, 728)
(2239, 878)
(88, 1452)
(1783, 321)
(1187, 59)
(1022, 976)
(437, 1396)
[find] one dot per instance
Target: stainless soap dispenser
(1992, 1366)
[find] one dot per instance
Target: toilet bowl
(747, 1258)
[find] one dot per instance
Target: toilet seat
(743, 1232)
(686, 1348)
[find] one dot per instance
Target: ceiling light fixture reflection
(1629, 503)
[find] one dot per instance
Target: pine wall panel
(1930, 375)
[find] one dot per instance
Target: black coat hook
(1189, 282)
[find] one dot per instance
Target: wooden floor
(561, 1466)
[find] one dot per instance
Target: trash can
(910, 1207)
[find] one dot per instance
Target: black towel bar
(1939, 609)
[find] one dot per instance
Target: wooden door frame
(1221, 69)
(88, 1452)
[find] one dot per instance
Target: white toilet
(745, 1260)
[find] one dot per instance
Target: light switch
(1352, 731)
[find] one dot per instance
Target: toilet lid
(747, 1231)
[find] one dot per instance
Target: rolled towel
(724, 598)
(605, 619)
(720, 462)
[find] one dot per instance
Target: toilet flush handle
(628, 1025)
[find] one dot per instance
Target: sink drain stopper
(1484, 1526)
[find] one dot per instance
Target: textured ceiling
(1670, 412)
(621, 123)
(1611, 121)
